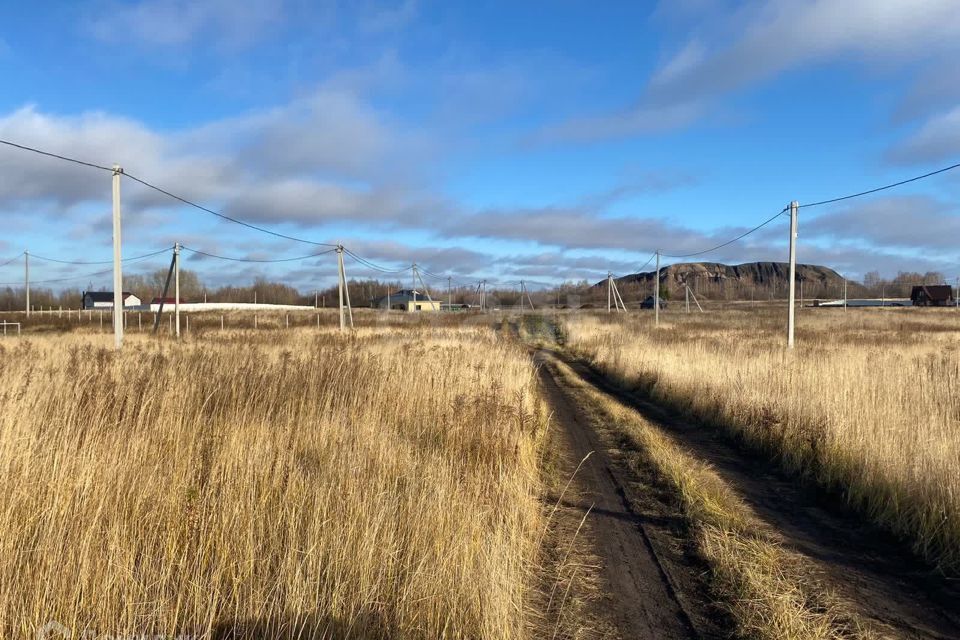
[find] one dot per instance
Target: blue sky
(537, 140)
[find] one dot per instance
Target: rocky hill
(715, 279)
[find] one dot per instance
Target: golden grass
(768, 590)
(271, 484)
(867, 402)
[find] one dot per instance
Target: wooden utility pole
(793, 273)
(449, 293)
(117, 265)
(26, 278)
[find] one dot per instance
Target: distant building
(649, 303)
(104, 299)
(932, 295)
(407, 300)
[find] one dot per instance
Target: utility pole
(316, 298)
(176, 286)
(117, 272)
(794, 206)
(957, 299)
(844, 293)
(26, 278)
(449, 293)
(413, 277)
(343, 324)
(609, 289)
(656, 293)
(686, 295)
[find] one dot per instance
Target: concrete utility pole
(794, 206)
(414, 288)
(176, 285)
(449, 293)
(609, 290)
(343, 323)
(844, 294)
(656, 293)
(344, 291)
(117, 265)
(26, 278)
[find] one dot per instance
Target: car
(648, 303)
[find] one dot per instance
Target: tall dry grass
(272, 484)
(867, 403)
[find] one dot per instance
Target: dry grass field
(867, 403)
(272, 484)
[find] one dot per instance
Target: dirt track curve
(885, 584)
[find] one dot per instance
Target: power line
(66, 279)
(374, 266)
(56, 155)
(166, 193)
(233, 259)
(11, 259)
(728, 242)
(883, 188)
(131, 259)
(649, 260)
(88, 275)
(224, 216)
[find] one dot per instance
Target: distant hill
(715, 279)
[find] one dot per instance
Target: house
(407, 300)
(932, 295)
(104, 299)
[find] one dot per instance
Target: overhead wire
(877, 189)
(167, 193)
(224, 216)
(19, 255)
(728, 242)
(78, 277)
(55, 155)
(235, 259)
(131, 259)
(374, 266)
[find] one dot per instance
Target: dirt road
(651, 590)
(883, 582)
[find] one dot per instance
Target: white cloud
(783, 34)
(937, 139)
(175, 23)
(745, 46)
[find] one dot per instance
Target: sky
(544, 141)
